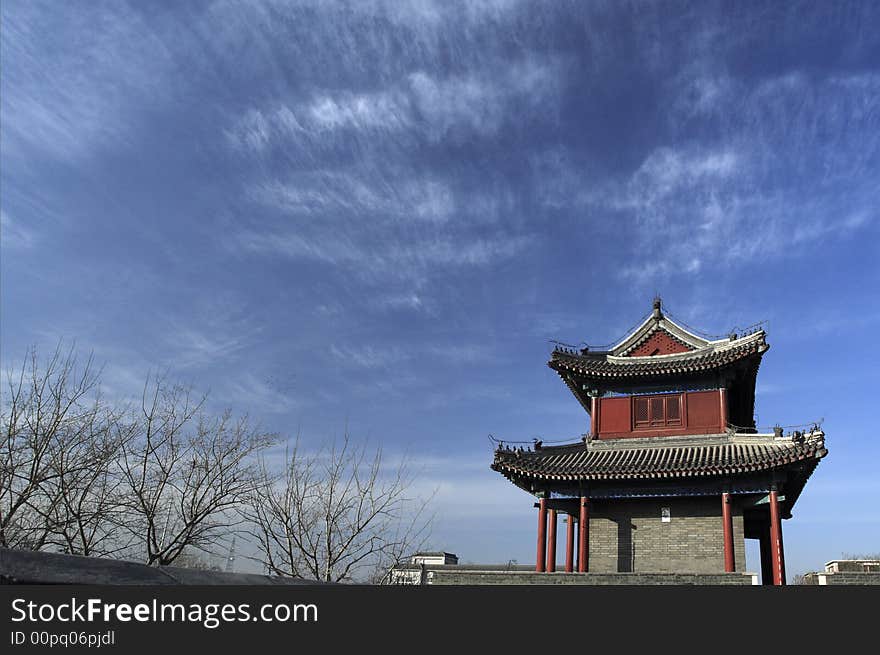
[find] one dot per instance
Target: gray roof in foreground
(31, 567)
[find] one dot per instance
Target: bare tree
(335, 515)
(185, 472)
(88, 501)
(84, 476)
(862, 555)
(50, 417)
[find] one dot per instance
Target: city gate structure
(673, 475)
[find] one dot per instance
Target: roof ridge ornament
(658, 313)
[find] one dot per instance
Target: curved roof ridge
(655, 321)
(712, 356)
(710, 347)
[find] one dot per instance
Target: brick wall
(629, 536)
(842, 578)
(470, 577)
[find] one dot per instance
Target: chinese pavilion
(673, 475)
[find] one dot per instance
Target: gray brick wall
(844, 578)
(469, 577)
(629, 536)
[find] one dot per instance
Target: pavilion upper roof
(658, 347)
(605, 364)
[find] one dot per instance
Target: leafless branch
(335, 515)
(50, 416)
(185, 472)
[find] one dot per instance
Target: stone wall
(842, 578)
(464, 576)
(629, 536)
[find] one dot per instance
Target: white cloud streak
(382, 259)
(477, 103)
(81, 93)
(14, 235)
(786, 177)
(384, 357)
(317, 193)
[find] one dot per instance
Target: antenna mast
(230, 558)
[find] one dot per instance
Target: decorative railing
(534, 444)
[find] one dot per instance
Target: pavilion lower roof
(702, 457)
(603, 365)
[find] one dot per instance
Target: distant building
(847, 572)
(673, 475)
(416, 571)
(434, 558)
(853, 566)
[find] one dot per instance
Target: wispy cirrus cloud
(82, 92)
(367, 216)
(375, 257)
(356, 175)
(421, 105)
(252, 394)
(370, 357)
(15, 235)
(753, 193)
(357, 111)
(386, 197)
(481, 102)
(407, 301)
(209, 331)
(669, 172)
(268, 127)
(317, 193)
(406, 358)
(196, 347)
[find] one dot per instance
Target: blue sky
(380, 212)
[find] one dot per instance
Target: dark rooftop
(628, 459)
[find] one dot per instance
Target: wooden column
(727, 517)
(777, 557)
(584, 537)
(594, 416)
(551, 542)
(724, 418)
(569, 545)
(540, 559)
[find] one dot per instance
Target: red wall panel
(704, 409)
(614, 414)
(701, 414)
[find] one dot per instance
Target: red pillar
(777, 558)
(584, 537)
(569, 545)
(594, 416)
(727, 516)
(542, 535)
(551, 543)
